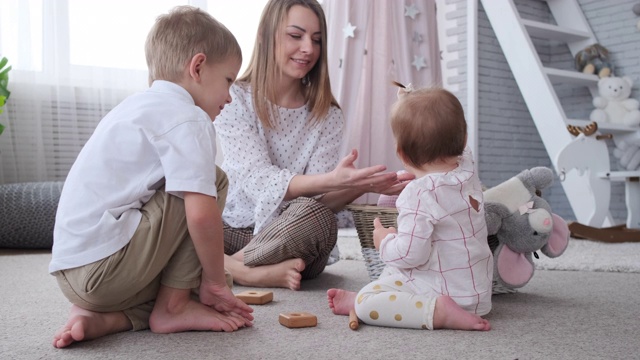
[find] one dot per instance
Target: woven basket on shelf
(363, 216)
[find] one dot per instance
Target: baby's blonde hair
(181, 34)
(428, 125)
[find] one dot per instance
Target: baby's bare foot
(341, 301)
(449, 315)
(86, 325)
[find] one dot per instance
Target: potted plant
(4, 82)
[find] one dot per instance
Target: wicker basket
(363, 216)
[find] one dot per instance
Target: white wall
(508, 141)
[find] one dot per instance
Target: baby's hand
(398, 185)
(380, 232)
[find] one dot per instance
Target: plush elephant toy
(522, 223)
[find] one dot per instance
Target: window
(242, 20)
(21, 33)
(70, 39)
(72, 62)
(112, 33)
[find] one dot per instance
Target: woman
(281, 137)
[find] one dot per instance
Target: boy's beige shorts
(160, 252)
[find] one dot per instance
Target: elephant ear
(558, 239)
(514, 269)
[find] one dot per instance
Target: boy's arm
(205, 227)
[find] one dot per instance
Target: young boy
(439, 268)
(138, 226)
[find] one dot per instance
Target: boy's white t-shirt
(154, 138)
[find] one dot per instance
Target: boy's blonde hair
(181, 34)
(428, 125)
(262, 71)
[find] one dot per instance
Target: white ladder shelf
(587, 189)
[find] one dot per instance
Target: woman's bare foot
(341, 301)
(86, 325)
(449, 315)
(282, 275)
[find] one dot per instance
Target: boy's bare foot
(449, 315)
(282, 275)
(192, 315)
(86, 325)
(341, 301)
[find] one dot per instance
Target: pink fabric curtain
(386, 46)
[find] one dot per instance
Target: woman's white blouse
(261, 162)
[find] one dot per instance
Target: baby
(439, 267)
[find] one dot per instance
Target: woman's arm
(345, 178)
(386, 184)
(340, 182)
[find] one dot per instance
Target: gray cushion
(28, 213)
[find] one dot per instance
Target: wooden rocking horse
(589, 156)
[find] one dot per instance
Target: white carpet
(580, 255)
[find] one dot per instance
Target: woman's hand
(396, 187)
(380, 232)
(346, 175)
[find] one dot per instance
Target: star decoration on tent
(348, 30)
(418, 62)
(417, 37)
(411, 11)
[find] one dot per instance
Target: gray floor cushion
(27, 214)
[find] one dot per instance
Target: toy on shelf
(594, 59)
(613, 104)
(588, 155)
(520, 222)
(627, 153)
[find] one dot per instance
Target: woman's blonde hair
(262, 71)
(181, 34)
(428, 125)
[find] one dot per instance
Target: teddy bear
(594, 59)
(519, 223)
(614, 105)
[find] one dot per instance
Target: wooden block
(298, 320)
(253, 297)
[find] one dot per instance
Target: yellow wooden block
(298, 320)
(254, 297)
